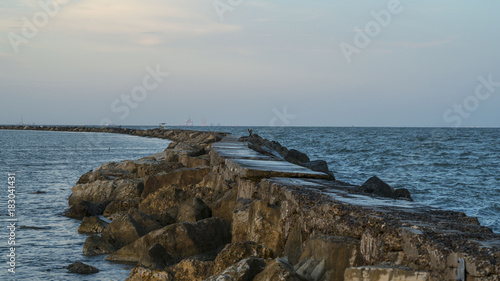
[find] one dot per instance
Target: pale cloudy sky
(251, 62)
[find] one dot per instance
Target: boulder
(96, 245)
(403, 193)
(117, 207)
(377, 187)
(163, 205)
(244, 270)
(279, 269)
(92, 224)
(181, 240)
(128, 228)
(179, 177)
(296, 157)
(238, 251)
(85, 178)
(84, 209)
(106, 191)
(81, 268)
(193, 210)
(319, 166)
(192, 270)
(139, 273)
(156, 257)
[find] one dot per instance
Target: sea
(450, 168)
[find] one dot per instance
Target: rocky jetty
(214, 206)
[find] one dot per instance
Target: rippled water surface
(457, 169)
(51, 163)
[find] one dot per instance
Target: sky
(250, 62)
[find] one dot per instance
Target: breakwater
(210, 206)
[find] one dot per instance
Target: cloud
(133, 17)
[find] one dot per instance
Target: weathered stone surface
(241, 217)
(193, 210)
(238, 251)
(156, 257)
(180, 177)
(117, 207)
(192, 270)
(139, 273)
(279, 270)
(181, 240)
(385, 273)
(259, 169)
(106, 191)
(96, 245)
(81, 268)
(84, 209)
(325, 258)
(244, 270)
(92, 224)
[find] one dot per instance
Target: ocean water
(52, 162)
(455, 169)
